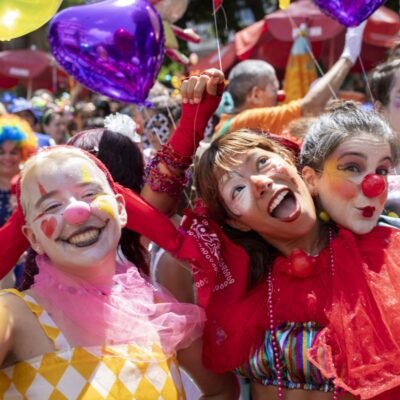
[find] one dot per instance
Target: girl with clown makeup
(73, 221)
(327, 282)
(94, 332)
(319, 300)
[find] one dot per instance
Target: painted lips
(368, 211)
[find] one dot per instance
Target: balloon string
(217, 35)
(309, 50)
(171, 118)
(365, 76)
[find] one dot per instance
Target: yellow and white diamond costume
(91, 373)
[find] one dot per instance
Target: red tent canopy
(35, 69)
(271, 38)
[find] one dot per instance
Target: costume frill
(360, 346)
(357, 300)
(128, 310)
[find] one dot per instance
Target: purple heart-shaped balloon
(115, 47)
(349, 12)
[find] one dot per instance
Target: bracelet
(171, 184)
(163, 183)
(168, 156)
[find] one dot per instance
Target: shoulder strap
(48, 325)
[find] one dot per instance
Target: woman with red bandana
(322, 316)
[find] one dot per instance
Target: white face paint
(72, 244)
(339, 185)
(265, 193)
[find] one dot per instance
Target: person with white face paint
(346, 158)
(318, 299)
(85, 318)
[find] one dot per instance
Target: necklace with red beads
(272, 325)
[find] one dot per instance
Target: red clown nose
(373, 185)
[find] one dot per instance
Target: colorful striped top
(294, 338)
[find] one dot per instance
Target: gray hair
(342, 121)
(246, 75)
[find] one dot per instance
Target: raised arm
(165, 174)
(314, 101)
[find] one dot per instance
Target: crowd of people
(158, 254)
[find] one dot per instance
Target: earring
(324, 217)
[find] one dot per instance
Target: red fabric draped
(358, 304)
(359, 348)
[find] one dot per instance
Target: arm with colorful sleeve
(275, 119)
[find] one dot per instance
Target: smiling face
(341, 186)
(10, 159)
(263, 192)
(72, 214)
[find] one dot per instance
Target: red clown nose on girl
(373, 185)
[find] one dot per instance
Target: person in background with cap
(23, 109)
(254, 86)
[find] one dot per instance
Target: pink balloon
(114, 47)
(349, 13)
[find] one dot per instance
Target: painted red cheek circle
(48, 226)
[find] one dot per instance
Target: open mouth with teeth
(85, 238)
(284, 206)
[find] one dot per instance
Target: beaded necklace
(272, 324)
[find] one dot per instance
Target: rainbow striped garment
(294, 339)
